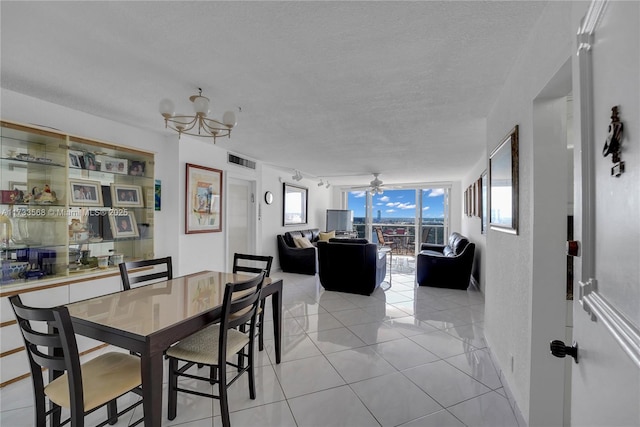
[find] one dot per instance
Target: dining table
(150, 318)
(401, 240)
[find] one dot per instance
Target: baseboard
(507, 391)
(476, 285)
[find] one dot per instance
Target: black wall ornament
(613, 143)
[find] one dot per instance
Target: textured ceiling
(335, 89)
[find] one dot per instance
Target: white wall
(509, 322)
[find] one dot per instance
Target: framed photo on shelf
(137, 168)
(85, 193)
(76, 159)
(90, 161)
(113, 165)
(203, 201)
(124, 225)
(126, 195)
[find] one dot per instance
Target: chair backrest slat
(239, 266)
(39, 338)
(238, 311)
(128, 279)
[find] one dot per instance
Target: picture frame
(483, 203)
(203, 201)
(466, 202)
(472, 187)
(113, 165)
(76, 159)
(85, 193)
(15, 194)
(126, 195)
(478, 195)
(137, 168)
(90, 162)
(123, 224)
(294, 204)
(503, 185)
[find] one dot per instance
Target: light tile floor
(404, 356)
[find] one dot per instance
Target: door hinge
(584, 290)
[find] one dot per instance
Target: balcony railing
(404, 235)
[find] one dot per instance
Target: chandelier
(198, 124)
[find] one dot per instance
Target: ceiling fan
(376, 185)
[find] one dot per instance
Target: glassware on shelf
(5, 231)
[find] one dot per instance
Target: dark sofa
(351, 265)
(446, 266)
(297, 260)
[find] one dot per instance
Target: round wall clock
(268, 197)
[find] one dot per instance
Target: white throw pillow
(302, 242)
(326, 236)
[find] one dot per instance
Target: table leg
(276, 303)
(151, 369)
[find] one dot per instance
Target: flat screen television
(339, 220)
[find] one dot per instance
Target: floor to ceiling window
(406, 216)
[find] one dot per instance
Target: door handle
(558, 349)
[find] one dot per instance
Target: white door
(240, 218)
(606, 311)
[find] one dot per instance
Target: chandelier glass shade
(198, 124)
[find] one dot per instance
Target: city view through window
(397, 212)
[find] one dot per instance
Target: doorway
(241, 223)
(552, 201)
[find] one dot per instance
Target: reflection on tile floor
(404, 356)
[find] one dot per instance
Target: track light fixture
(297, 176)
(321, 183)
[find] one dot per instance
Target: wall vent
(232, 158)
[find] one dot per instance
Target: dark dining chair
(80, 388)
(383, 243)
(212, 345)
(129, 278)
(246, 263)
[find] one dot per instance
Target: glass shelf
(35, 162)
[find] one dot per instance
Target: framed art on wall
(203, 204)
(503, 185)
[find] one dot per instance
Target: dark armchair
(351, 265)
(294, 259)
(446, 266)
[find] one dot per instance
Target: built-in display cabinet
(70, 207)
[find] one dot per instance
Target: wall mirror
(503, 185)
(294, 206)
